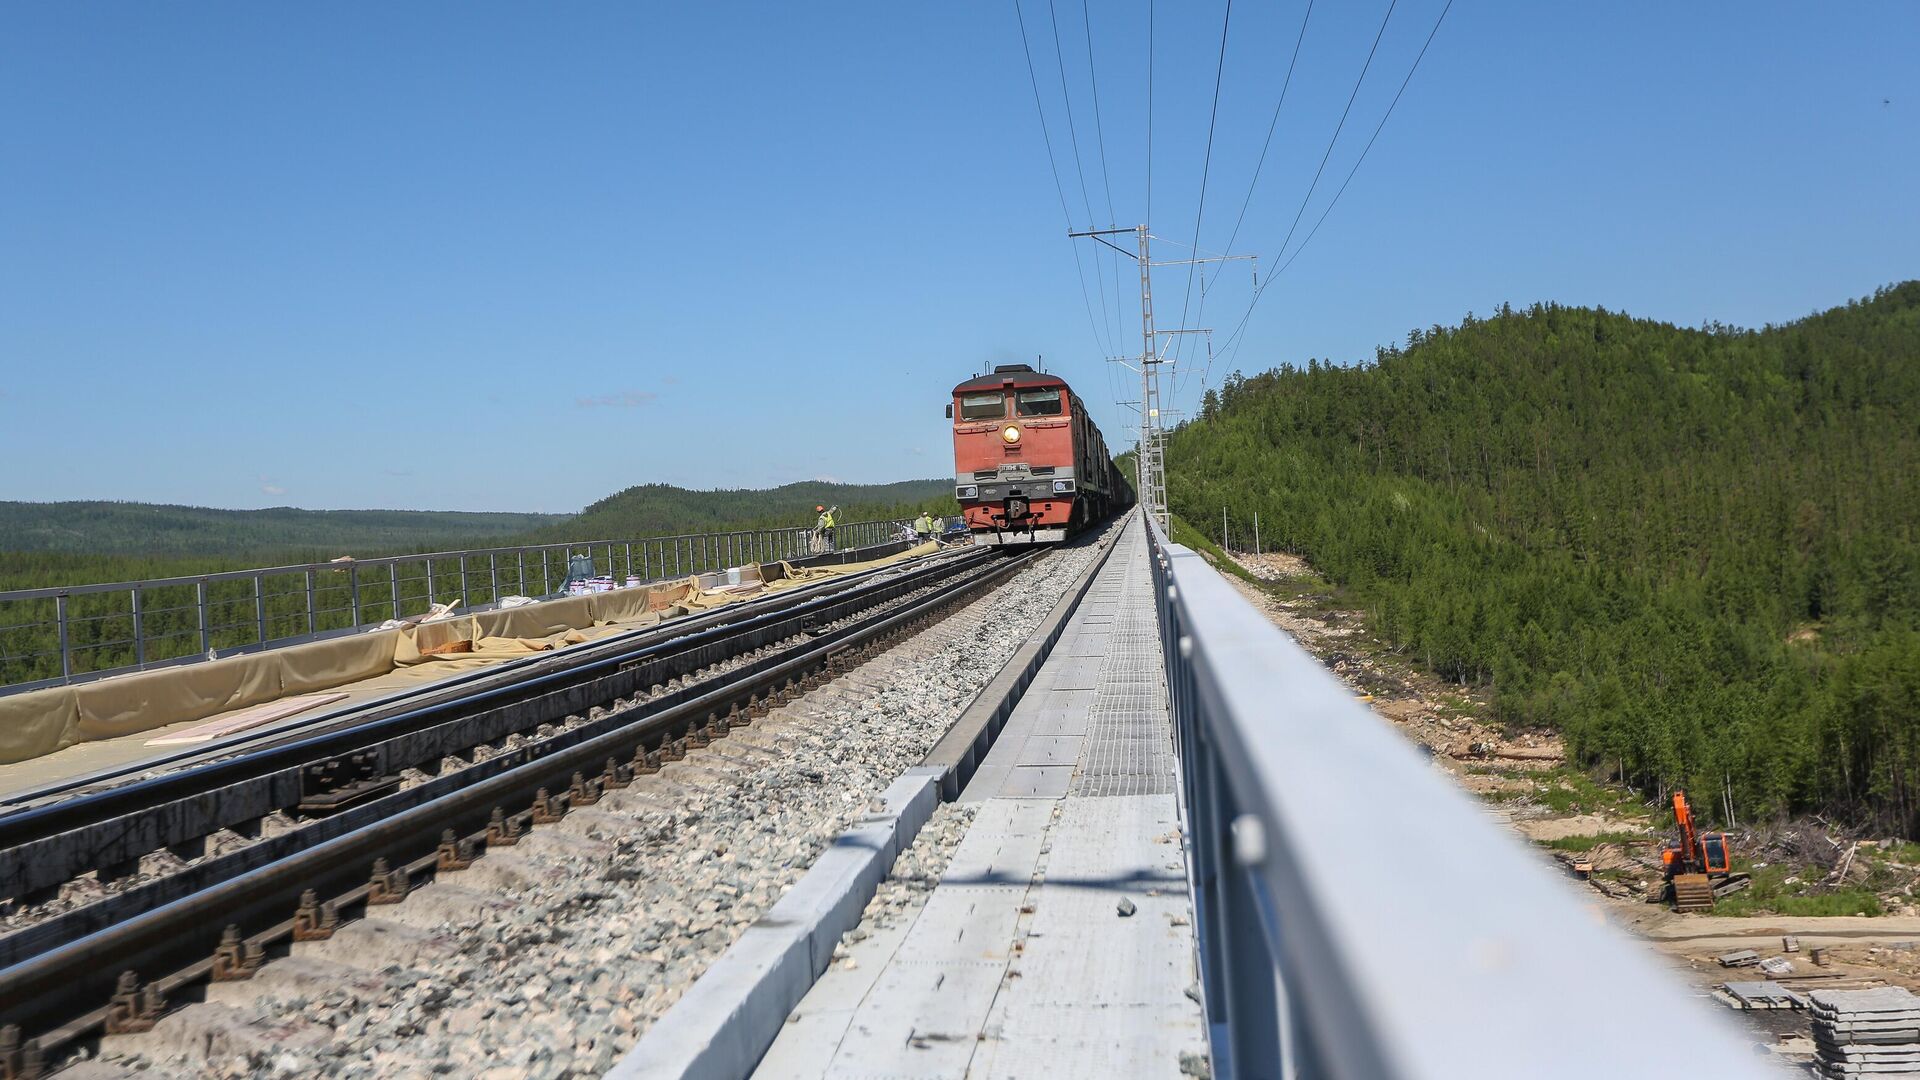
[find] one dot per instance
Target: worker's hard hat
(819, 509)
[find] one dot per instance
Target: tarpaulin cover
(374, 662)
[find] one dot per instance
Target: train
(1030, 465)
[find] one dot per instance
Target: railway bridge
(900, 812)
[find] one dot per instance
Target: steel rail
(508, 671)
(53, 993)
(50, 843)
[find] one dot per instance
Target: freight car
(1029, 464)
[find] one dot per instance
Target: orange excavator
(1699, 869)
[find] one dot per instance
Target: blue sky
(504, 256)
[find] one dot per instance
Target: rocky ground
(549, 958)
(915, 874)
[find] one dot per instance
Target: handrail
(1360, 916)
(49, 591)
(61, 634)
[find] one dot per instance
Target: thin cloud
(625, 399)
(272, 489)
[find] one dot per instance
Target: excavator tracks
(1692, 892)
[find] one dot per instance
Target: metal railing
(71, 633)
(1360, 916)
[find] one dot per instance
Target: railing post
(139, 632)
(520, 557)
(200, 601)
(493, 574)
(430, 600)
(313, 621)
(393, 587)
(353, 590)
(260, 607)
(464, 602)
(66, 645)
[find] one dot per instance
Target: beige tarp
(323, 665)
(38, 722)
(372, 663)
(125, 705)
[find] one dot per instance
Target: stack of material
(1764, 995)
(1866, 1033)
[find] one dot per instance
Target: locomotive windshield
(982, 406)
(1038, 402)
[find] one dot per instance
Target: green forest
(657, 509)
(1692, 551)
(60, 544)
(130, 528)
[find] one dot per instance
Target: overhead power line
(1341, 126)
(1235, 339)
(1149, 214)
(1206, 164)
(1265, 145)
(1106, 177)
(1053, 165)
(1073, 135)
(1331, 203)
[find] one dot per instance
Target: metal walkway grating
(1129, 741)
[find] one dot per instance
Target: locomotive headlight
(1011, 434)
(967, 491)
(1061, 487)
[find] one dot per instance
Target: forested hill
(1693, 551)
(651, 509)
(130, 528)
(69, 543)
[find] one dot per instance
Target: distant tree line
(1691, 551)
(84, 543)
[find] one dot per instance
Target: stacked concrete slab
(1866, 1033)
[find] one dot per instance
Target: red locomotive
(1030, 466)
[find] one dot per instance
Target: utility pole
(1150, 466)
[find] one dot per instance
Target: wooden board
(255, 716)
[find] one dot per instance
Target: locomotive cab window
(982, 406)
(1038, 402)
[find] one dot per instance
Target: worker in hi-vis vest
(923, 525)
(825, 526)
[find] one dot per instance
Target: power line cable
(1235, 341)
(1206, 166)
(1266, 144)
(1060, 62)
(1106, 177)
(1271, 126)
(1149, 216)
(1058, 188)
(1340, 126)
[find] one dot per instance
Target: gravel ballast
(549, 958)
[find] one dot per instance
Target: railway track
(364, 812)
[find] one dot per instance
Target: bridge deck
(1021, 962)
